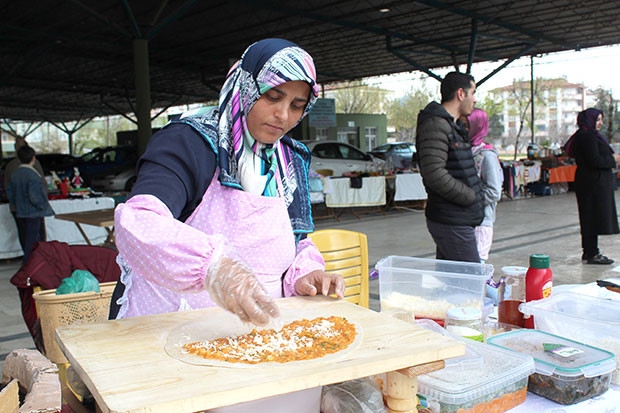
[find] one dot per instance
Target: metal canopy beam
(65, 60)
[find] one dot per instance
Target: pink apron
(259, 230)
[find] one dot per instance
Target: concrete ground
(524, 226)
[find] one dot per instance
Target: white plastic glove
(234, 287)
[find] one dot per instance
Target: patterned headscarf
(280, 169)
(264, 65)
(478, 126)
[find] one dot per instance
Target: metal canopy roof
(73, 60)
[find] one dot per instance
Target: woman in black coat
(594, 184)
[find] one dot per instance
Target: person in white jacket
(491, 175)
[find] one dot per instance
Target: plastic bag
(80, 281)
(354, 396)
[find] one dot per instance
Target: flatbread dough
(228, 324)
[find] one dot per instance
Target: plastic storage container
(428, 288)
(585, 319)
(486, 379)
(567, 372)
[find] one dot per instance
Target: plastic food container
(589, 320)
(429, 288)
(492, 328)
(487, 379)
(567, 372)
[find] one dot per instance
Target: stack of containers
(589, 320)
(567, 372)
(486, 379)
(428, 288)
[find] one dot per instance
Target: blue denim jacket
(27, 193)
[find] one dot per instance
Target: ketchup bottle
(538, 281)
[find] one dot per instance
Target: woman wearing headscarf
(594, 184)
(490, 171)
(220, 210)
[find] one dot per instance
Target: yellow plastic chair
(346, 253)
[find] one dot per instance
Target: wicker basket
(61, 310)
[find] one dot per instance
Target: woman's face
(599, 122)
(277, 111)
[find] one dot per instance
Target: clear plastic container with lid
(465, 322)
(427, 288)
(485, 379)
(567, 371)
(591, 320)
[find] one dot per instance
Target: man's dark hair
(454, 81)
(25, 154)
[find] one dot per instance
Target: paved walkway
(547, 225)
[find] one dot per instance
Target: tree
(494, 111)
(611, 118)
(518, 98)
(402, 113)
(358, 97)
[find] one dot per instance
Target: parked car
(340, 157)
(122, 178)
(400, 155)
(104, 160)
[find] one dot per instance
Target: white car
(341, 157)
(121, 178)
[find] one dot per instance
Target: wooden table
(99, 218)
(124, 365)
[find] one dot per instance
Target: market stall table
(344, 193)
(406, 187)
(125, 366)
(56, 230)
(562, 174)
(98, 218)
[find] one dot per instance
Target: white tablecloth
(372, 193)
(608, 402)
(57, 230)
(409, 187)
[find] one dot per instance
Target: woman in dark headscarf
(594, 184)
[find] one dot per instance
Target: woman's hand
(233, 286)
(321, 282)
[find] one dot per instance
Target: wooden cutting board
(124, 364)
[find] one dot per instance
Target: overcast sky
(594, 67)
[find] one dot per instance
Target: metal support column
(532, 126)
(143, 92)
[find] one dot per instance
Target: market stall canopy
(71, 60)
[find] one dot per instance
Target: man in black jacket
(455, 204)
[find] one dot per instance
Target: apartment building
(556, 106)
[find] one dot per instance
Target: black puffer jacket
(448, 169)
